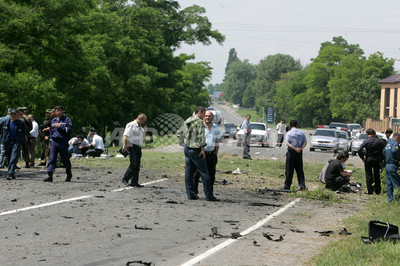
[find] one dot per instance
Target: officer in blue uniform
(60, 133)
(392, 155)
(13, 135)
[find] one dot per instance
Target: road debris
(264, 204)
(142, 227)
(325, 233)
(268, 236)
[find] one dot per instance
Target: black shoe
(125, 182)
(213, 199)
(49, 179)
(368, 193)
(9, 177)
(303, 188)
(136, 185)
(16, 167)
(27, 165)
(68, 179)
(193, 197)
(248, 158)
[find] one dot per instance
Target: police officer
(44, 134)
(372, 158)
(26, 146)
(60, 133)
(392, 155)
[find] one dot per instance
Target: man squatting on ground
(296, 142)
(392, 154)
(60, 133)
(192, 132)
(336, 176)
(133, 139)
(372, 158)
(213, 137)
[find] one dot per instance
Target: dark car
(338, 125)
(230, 130)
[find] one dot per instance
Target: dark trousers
(193, 162)
(280, 140)
(211, 161)
(58, 147)
(94, 152)
(132, 173)
(372, 174)
(12, 151)
(338, 183)
(32, 151)
(294, 161)
(246, 146)
(45, 150)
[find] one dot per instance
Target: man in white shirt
(33, 135)
(96, 145)
(132, 140)
(281, 128)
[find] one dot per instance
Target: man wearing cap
(2, 150)
(26, 146)
(44, 138)
(60, 133)
(96, 145)
(13, 136)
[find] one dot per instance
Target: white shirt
(212, 136)
(281, 128)
(134, 134)
(35, 129)
(97, 142)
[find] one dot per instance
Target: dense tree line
(104, 60)
(340, 84)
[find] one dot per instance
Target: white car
(325, 139)
(260, 134)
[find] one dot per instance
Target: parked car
(325, 139)
(338, 125)
(357, 143)
(230, 130)
(260, 134)
(354, 129)
(345, 140)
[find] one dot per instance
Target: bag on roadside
(382, 231)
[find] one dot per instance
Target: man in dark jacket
(372, 158)
(60, 133)
(13, 135)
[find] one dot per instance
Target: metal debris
(268, 236)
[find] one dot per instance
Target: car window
(363, 136)
(257, 126)
(342, 135)
(354, 127)
(229, 125)
(327, 133)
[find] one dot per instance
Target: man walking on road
(296, 142)
(193, 134)
(247, 134)
(133, 139)
(281, 128)
(372, 158)
(213, 136)
(60, 133)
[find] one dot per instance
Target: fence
(381, 125)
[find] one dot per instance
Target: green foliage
(318, 194)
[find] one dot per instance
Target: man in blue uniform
(13, 135)
(60, 133)
(392, 155)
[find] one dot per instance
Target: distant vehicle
(325, 139)
(338, 125)
(357, 143)
(230, 130)
(345, 140)
(354, 129)
(260, 134)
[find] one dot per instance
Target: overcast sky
(258, 28)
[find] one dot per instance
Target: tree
(231, 58)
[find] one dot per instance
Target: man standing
(26, 146)
(192, 132)
(281, 128)
(13, 136)
(33, 135)
(213, 137)
(296, 142)
(392, 154)
(335, 175)
(2, 149)
(247, 134)
(60, 133)
(372, 158)
(132, 140)
(44, 134)
(96, 146)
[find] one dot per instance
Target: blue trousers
(392, 180)
(2, 154)
(193, 162)
(11, 150)
(58, 147)
(132, 173)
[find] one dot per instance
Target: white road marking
(245, 232)
(68, 200)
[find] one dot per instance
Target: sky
(258, 28)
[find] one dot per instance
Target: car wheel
(312, 149)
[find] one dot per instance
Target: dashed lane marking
(245, 232)
(71, 199)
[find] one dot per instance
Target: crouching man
(335, 175)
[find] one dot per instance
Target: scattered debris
(142, 227)
(172, 202)
(344, 232)
(119, 235)
(140, 262)
(255, 244)
(231, 222)
(296, 230)
(235, 235)
(271, 227)
(36, 233)
(264, 204)
(61, 244)
(268, 236)
(14, 200)
(273, 190)
(325, 233)
(164, 175)
(99, 196)
(67, 217)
